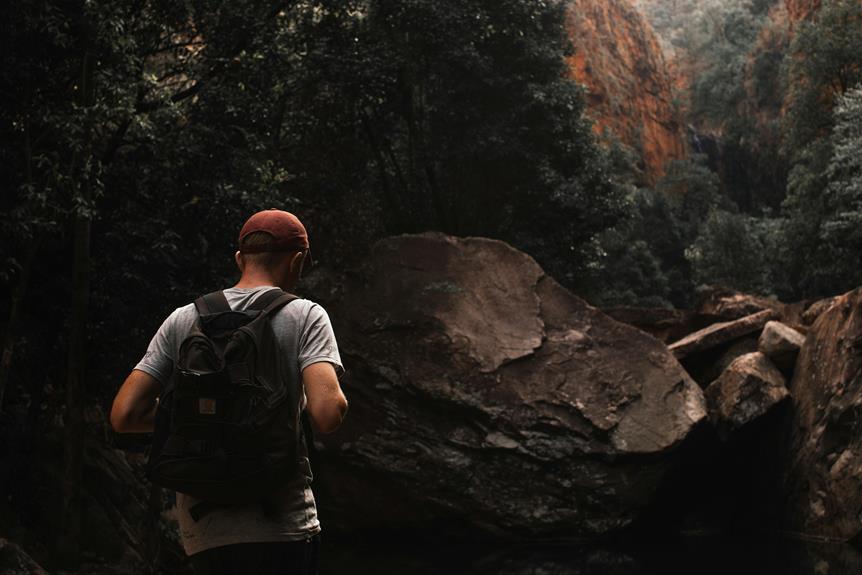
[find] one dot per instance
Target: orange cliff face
(801, 9)
(618, 58)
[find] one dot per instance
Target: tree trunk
(69, 538)
(14, 317)
(8, 351)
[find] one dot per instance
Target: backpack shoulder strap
(272, 300)
(210, 303)
(279, 302)
(263, 300)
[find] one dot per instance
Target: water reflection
(689, 556)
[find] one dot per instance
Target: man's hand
(134, 407)
(327, 405)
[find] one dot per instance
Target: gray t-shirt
(304, 332)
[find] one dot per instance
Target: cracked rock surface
(749, 387)
(482, 392)
(720, 333)
(823, 451)
(15, 561)
(781, 343)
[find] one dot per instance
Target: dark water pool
(688, 555)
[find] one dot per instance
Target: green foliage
(765, 69)
(739, 92)
(457, 117)
(644, 261)
(841, 231)
(730, 253)
(824, 62)
(694, 192)
(845, 168)
(633, 252)
(723, 38)
(756, 177)
(366, 117)
(731, 52)
(632, 275)
(673, 20)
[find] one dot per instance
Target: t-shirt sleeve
(158, 361)
(317, 341)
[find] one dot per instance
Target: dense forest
(770, 100)
(138, 136)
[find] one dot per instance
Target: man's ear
(239, 263)
(296, 261)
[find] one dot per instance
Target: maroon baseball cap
(287, 232)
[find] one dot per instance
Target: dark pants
(284, 558)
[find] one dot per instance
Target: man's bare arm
(134, 407)
(327, 405)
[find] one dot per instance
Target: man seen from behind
(283, 535)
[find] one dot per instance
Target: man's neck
(251, 280)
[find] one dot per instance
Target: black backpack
(228, 427)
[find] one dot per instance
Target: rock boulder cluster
(485, 395)
(823, 460)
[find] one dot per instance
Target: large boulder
(125, 529)
(728, 354)
(720, 333)
(665, 324)
(484, 394)
(823, 450)
(813, 311)
(16, 561)
(725, 304)
(749, 387)
(127, 520)
(781, 343)
(728, 304)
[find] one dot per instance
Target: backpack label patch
(206, 406)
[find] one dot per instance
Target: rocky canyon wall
(801, 9)
(618, 58)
